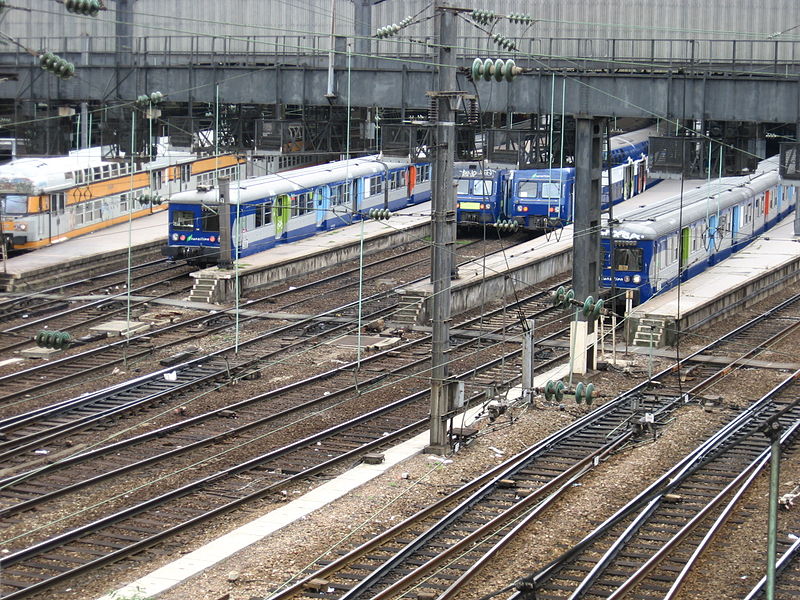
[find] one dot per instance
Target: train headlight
(20, 226)
(637, 279)
(627, 279)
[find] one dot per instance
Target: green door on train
(686, 236)
(281, 210)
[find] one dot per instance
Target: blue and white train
(284, 207)
(543, 199)
(679, 236)
(481, 190)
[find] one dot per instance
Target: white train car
(47, 200)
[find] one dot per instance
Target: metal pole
(84, 125)
(527, 361)
(774, 434)
(3, 234)
(225, 261)
(331, 93)
(443, 215)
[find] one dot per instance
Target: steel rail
(648, 500)
(623, 398)
(783, 562)
(128, 343)
(60, 288)
(162, 432)
(7, 425)
(347, 457)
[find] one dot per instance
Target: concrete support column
(84, 125)
(225, 258)
(362, 14)
(586, 245)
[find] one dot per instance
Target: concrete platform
(770, 262)
(313, 253)
(87, 255)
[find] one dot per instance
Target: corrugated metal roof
(48, 23)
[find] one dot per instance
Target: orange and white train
(47, 200)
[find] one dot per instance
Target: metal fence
(770, 57)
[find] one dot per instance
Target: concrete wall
(741, 297)
(321, 259)
(470, 293)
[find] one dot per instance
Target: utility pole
(443, 215)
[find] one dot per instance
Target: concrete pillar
(362, 14)
(586, 244)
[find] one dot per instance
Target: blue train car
(544, 199)
(480, 192)
(284, 207)
(677, 237)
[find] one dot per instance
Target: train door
(358, 194)
(711, 246)
(281, 210)
(58, 221)
(241, 231)
(263, 228)
(641, 177)
(628, 174)
(735, 223)
(320, 205)
(411, 182)
(686, 238)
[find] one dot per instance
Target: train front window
(483, 187)
(527, 189)
(209, 219)
(463, 187)
(14, 204)
(628, 259)
(551, 190)
(183, 220)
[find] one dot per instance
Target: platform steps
(649, 332)
(409, 310)
(204, 290)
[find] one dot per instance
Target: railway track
(32, 382)
(338, 445)
(80, 317)
(434, 555)
(648, 547)
(24, 433)
(41, 303)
